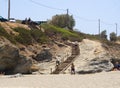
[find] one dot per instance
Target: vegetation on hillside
(6, 35)
(103, 34)
(30, 36)
(63, 21)
(24, 36)
(113, 36)
(53, 33)
(60, 33)
(39, 36)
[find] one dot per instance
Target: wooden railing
(64, 65)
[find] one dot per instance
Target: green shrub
(63, 20)
(6, 35)
(113, 36)
(24, 36)
(38, 36)
(65, 34)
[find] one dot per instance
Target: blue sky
(85, 12)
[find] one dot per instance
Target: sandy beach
(98, 80)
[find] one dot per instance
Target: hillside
(33, 44)
(34, 48)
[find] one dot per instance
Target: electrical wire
(81, 18)
(37, 3)
(103, 22)
(85, 19)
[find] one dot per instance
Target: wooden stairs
(64, 65)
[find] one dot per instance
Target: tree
(63, 21)
(103, 34)
(113, 36)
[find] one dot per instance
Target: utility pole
(116, 28)
(99, 26)
(67, 23)
(8, 9)
(67, 11)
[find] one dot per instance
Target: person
(57, 63)
(72, 68)
(116, 66)
(2, 73)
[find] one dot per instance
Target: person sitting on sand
(72, 68)
(2, 73)
(116, 66)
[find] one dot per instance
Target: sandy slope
(99, 80)
(89, 50)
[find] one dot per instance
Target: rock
(23, 65)
(96, 65)
(11, 60)
(44, 55)
(8, 55)
(59, 44)
(34, 68)
(16, 75)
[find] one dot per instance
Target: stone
(11, 60)
(95, 66)
(23, 65)
(44, 55)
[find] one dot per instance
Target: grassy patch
(65, 34)
(30, 36)
(24, 36)
(6, 35)
(39, 36)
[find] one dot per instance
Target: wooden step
(68, 61)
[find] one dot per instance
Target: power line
(37, 3)
(82, 18)
(107, 23)
(99, 23)
(91, 20)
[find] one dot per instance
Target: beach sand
(98, 80)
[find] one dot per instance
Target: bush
(113, 37)
(51, 31)
(6, 35)
(39, 36)
(63, 21)
(103, 34)
(24, 36)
